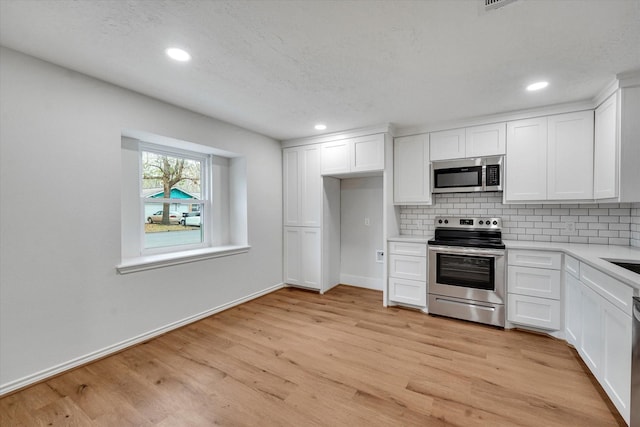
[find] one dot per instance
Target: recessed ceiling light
(178, 54)
(320, 126)
(537, 86)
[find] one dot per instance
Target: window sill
(150, 262)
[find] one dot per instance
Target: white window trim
(151, 262)
(224, 238)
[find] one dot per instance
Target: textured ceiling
(278, 67)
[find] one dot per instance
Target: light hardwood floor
(296, 358)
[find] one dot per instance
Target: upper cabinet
(448, 144)
(550, 158)
(302, 186)
(605, 182)
(617, 146)
(411, 170)
(487, 140)
(570, 156)
(476, 141)
(361, 154)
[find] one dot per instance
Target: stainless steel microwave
(467, 175)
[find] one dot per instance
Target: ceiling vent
(495, 4)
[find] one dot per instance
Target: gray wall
(360, 198)
(60, 161)
(610, 223)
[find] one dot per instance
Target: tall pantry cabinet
(302, 211)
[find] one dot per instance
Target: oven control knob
(439, 221)
(495, 222)
(480, 222)
(446, 221)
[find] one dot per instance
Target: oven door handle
(456, 250)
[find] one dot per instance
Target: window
(175, 198)
(181, 202)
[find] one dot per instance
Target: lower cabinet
(600, 330)
(407, 283)
(533, 298)
(302, 256)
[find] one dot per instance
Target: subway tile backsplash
(635, 225)
(604, 223)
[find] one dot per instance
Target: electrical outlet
(570, 226)
(379, 256)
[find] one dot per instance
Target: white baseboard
(99, 354)
(361, 281)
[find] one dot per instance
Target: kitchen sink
(631, 266)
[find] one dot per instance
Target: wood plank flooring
(296, 358)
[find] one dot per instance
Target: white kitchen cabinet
(526, 161)
(538, 282)
(590, 344)
(486, 140)
(336, 157)
(599, 327)
(550, 158)
(448, 144)
(572, 313)
(302, 198)
(570, 156)
(616, 171)
(302, 260)
(616, 357)
(411, 170)
(605, 157)
(407, 291)
(475, 141)
(354, 155)
(533, 288)
(407, 282)
(533, 311)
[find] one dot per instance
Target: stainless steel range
(467, 270)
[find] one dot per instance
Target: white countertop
(410, 239)
(590, 254)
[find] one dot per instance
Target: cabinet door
(367, 153)
(411, 171)
(533, 311)
(487, 140)
(408, 291)
(311, 187)
(291, 184)
(292, 256)
(335, 157)
(408, 267)
(590, 343)
(570, 156)
(535, 282)
(605, 161)
(448, 144)
(616, 361)
(311, 245)
(526, 171)
(572, 314)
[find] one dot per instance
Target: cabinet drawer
(408, 267)
(572, 266)
(536, 259)
(408, 291)
(413, 249)
(533, 311)
(617, 293)
(535, 282)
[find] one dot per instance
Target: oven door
(467, 273)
